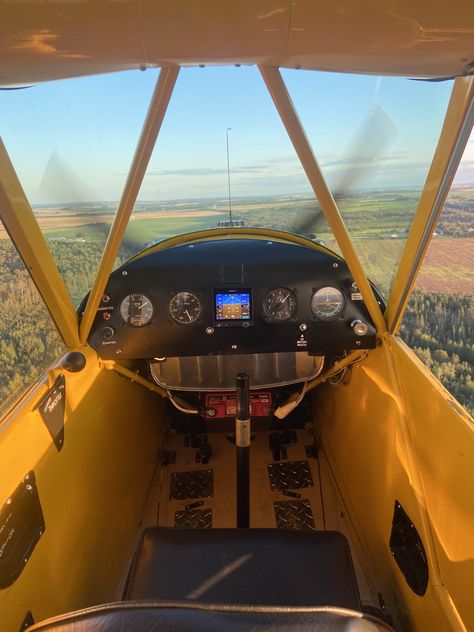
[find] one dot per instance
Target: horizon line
(308, 195)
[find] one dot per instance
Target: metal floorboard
(192, 484)
(214, 485)
(193, 519)
(294, 514)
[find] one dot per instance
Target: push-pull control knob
(108, 332)
(359, 327)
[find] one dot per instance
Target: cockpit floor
(283, 494)
(296, 492)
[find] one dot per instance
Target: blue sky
(74, 140)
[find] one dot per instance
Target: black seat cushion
(245, 567)
(154, 617)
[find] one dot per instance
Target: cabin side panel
(443, 435)
(364, 436)
(92, 491)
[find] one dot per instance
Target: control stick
(242, 442)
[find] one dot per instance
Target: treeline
(29, 341)
(440, 329)
(457, 217)
(382, 215)
(78, 263)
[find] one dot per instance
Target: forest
(440, 328)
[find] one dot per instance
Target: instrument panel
(231, 296)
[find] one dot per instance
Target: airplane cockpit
(216, 416)
(235, 326)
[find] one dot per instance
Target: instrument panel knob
(360, 328)
(108, 332)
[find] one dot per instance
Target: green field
(140, 231)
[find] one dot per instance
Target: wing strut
(153, 121)
(294, 128)
(21, 224)
(456, 131)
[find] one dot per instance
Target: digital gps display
(232, 305)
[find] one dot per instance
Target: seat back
(175, 617)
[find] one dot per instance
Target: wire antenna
(229, 129)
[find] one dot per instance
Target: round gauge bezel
(340, 309)
(190, 322)
(271, 316)
(148, 316)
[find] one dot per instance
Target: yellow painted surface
(443, 436)
(392, 434)
(133, 376)
(47, 40)
(92, 492)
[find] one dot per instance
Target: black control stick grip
(242, 397)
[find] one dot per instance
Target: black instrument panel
(231, 296)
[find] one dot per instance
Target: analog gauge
(280, 304)
(136, 310)
(327, 303)
(185, 308)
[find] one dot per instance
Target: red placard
(222, 405)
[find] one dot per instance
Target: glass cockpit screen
(232, 305)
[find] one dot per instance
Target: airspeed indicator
(185, 308)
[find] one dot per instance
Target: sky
(73, 140)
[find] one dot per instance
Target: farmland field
(71, 224)
(449, 266)
(139, 230)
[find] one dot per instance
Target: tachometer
(136, 310)
(185, 308)
(280, 304)
(327, 303)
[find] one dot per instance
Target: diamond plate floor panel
(195, 519)
(189, 485)
(294, 514)
(290, 475)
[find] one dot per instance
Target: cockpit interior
(231, 431)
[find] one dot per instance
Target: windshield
(221, 158)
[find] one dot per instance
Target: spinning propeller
(60, 183)
(371, 140)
